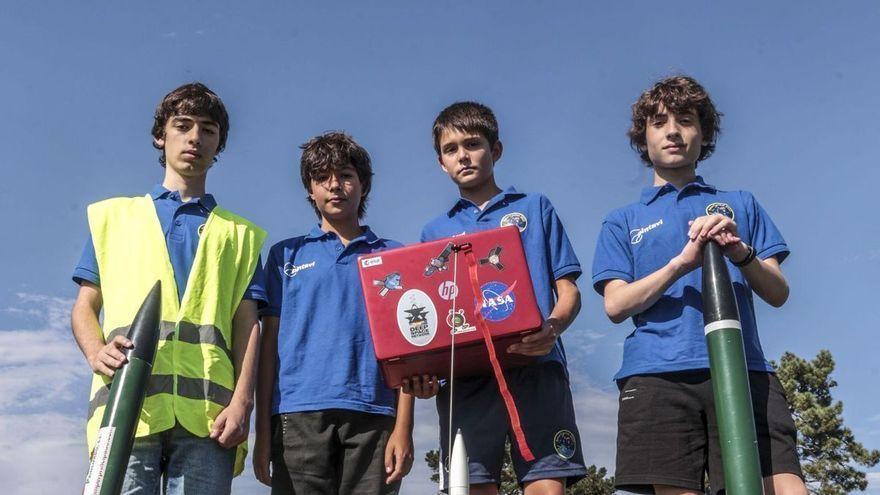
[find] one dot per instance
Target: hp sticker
(515, 218)
(498, 301)
(447, 290)
(720, 209)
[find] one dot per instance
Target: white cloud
(873, 482)
(45, 383)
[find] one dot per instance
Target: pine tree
(830, 455)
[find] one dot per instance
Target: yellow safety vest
(193, 376)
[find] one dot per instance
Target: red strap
(515, 424)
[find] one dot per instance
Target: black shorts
(667, 431)
(333, 451)
(546, 411)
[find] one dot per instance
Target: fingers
(121, 341)
(423, 387)
(710, 225)
(218, 426)
(389, 460)
(399, 467)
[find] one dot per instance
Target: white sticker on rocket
(417, 317)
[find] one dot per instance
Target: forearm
(568, 303)
(766, 279)
(266, 373)
(245, 351)
(84, 321)
(405, 406)
(623, 300)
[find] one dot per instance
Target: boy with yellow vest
(200, 395)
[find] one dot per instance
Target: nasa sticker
(720, 209)
(515, 218)
(565, 444)
(458, 322)
(498, 301)
(417, 317)
(447, 290)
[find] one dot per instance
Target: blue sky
(796, 80)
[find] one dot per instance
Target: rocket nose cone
(144, 332)
(719, 300)
(459, 481)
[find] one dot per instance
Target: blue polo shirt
(180, 223)
(548, 252)
(642, 237)
(325, 352)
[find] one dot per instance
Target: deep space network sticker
(720, 209)
(447, 290)
(515, 218)
(458, 322)
(565, 444)
(417, 317)
(498, 301)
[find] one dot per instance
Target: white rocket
(458, 468)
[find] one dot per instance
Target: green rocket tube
(730, 378)
(116, 436)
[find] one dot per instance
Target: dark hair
(679, 94)
(190, 99)
(332, 151)
(466, 116)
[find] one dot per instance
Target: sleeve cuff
(606, 275)
(780, 251)
(567, 270)
(82, 274)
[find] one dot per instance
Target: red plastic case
(408, 293)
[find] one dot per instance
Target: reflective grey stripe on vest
(189, 333)
(157, 384)
(191, 388)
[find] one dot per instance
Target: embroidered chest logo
(291, 270)
(720, 209)
(515, 218)
(636, 235)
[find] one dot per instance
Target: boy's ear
(442, 165)
(159, 143)
(497, 150)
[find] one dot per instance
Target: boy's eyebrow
(191, 118)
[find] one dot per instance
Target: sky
(797, 82)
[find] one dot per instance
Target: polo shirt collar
(464, 203)
(159, 192)
(367, 236)
(649, 194)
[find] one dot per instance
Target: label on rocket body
(95, 478)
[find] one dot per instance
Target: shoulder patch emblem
(565, 444)
(720, 209)
(515, 218)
